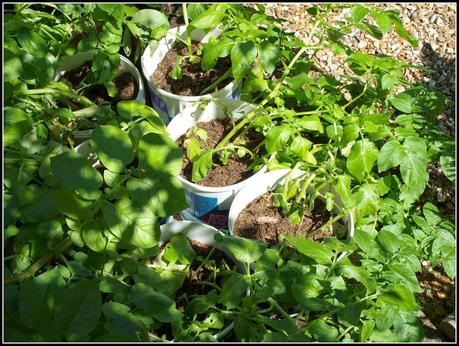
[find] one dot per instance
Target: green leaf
(155, 22)
(110, 284)
(361, 158)
(17, 124)
(208, 19)
(69, 204)
(243, 249)
(32, 42)
(202, 166)
(12, 66)
(162, 192)
(383, 21)
(402, 273)
(193, 149)
(93, 236)
(233, 290)
(310, 122)
(42, 209)
(201, 304)
(358, 12)
(322, 331)
(78, 309)
(389, 241)
(113, 147)
(159, 152)
(401, 31)
(358, 273)
(317, 251)
(368, 199)
(37, 300)
(149, 300)
(242, 56)
(390, 155)
(74, 172)
(400, 296)
(277, 137)
(214, 50)
(367, 330)
(179, 250)
(343, 188)
(113, 310)
(269, 55)
(413, 168)
(300, 146)
(195, 10)
(448, 166)
(404, 102)
(176, 72)
(134, 225)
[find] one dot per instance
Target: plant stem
(33, 268)
(217, 81)
(188, 38)
(82, 99)
(304, 188)
(86, 112)
(225, 331)
(278, 307)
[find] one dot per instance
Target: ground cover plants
(87, 225)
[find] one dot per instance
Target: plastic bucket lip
(78, 59)
(186, 113)
(192, 230)
(147, 56)
(264, 182)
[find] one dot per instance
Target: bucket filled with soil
(170, 96)
(215, 192)
(128, 82)
(253, 214)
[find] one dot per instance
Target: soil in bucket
(262, 221)
(220, 175)
(125, 83)
(194, 80)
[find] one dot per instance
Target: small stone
(433, 18)
(448, 326)
(441, 295)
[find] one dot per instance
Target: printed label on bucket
(200, 205)
(217, 219)
(158, 103)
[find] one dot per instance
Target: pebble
(448, 326)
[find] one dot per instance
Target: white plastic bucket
(195, 231)
(204, 199)
(165, 103)
(260, 185)
(71, 62)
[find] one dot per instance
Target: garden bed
(313, 119)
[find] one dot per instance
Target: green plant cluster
(83, 260)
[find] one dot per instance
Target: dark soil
(262, 221)
(237, 168)
(191, 286)
(194, 80)
(124, 81)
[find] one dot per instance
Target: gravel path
(434, 25)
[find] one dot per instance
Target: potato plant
(83, 261)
